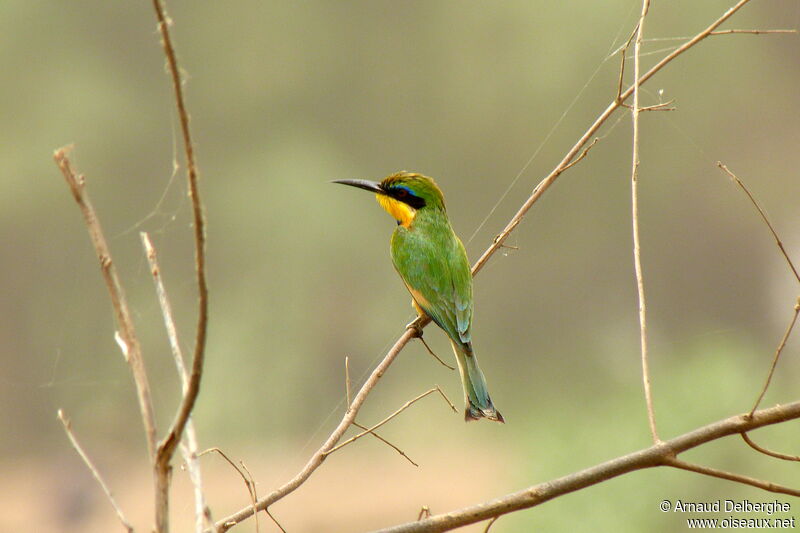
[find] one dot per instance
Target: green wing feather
(435, 265)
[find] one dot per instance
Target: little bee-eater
(433, 264)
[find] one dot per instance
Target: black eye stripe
(404, 195)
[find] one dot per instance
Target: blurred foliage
(286, 96)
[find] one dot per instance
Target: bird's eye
(402, 193)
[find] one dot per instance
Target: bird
(432, 262)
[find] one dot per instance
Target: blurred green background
(286, 96)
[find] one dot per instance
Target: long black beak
(363, 184)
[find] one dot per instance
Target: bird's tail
(476, 392)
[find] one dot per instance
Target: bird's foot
(415, 328)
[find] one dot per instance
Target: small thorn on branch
(491, 523)
(582, 155)
(664, 106)
(424, 512)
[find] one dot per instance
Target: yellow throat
(401, 212)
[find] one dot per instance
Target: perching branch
(498, 242)
(660, 454)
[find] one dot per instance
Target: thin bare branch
(190, 449)
(719, 32)
(656, 455)
(398, 450)
(166, 448)
(737, 478)
(663, 106)
(751, 32)
(490, 524)
(444, 396)
(75, 444)
(545, 183)
(637, 254)
(424, 343)
(347, 387)
(764, 217)
(570, 165)
(126, 334)
(765, 451)
(405, 406)
(347, 379)
(319, 456)
(248, 479)
(789, 262)
(623, 51)
(778, 352)
(497, 243)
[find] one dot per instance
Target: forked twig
(789, 262)
(545, 183)
(168, 444)
(637, 255)
(189, 450)
(68, 429)
(249, 482)
(765, 451)
(405, 406)
(577, 160)
(126, 333)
